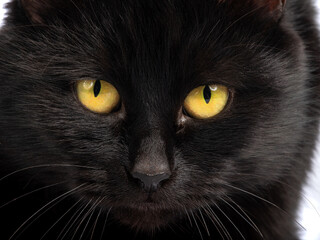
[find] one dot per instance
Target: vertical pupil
(97, 88)
(207, 94)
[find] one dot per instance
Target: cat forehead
(154, 45)
(152, 28)
(39, 11)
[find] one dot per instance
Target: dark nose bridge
(151, 165)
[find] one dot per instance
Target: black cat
(145, 119)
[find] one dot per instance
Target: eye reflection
(97, 95)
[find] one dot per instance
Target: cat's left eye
(97, 95)
(206, 101)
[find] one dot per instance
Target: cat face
(149, 158)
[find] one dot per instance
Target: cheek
(211, 144)
(274, 146)
(254, 144)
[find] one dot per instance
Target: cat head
(150, 156)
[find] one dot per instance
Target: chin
(145, 218)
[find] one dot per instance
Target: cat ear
(275, 7)
(40, 11)
(271, 7)
(36, 9)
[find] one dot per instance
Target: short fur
(237, 175)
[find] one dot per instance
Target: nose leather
(150, 183)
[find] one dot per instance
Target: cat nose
(150, 182)
(150, 162)
(150, 173)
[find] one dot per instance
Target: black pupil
(207, 94)
(97, 88)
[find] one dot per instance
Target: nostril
(150, 182)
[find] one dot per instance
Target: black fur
(237, 175)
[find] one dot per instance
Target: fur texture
(64, 170)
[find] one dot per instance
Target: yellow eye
(206, 101)
(97, 95)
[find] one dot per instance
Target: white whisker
(219, 222)
(92, 210)
(46, 165)
(212, 218)
(61, 218)
(80, 211)
(264, 200)
(95, 224)
(204, 222)
(62, 196)
(224, 214)
(31, 192)
(186, 211)
(195, 221)
(105, 222)
(83, 218)
(245, 217)
(237, 20)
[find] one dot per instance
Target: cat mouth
(144, 211)
(146, 217)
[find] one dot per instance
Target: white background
(309, 214)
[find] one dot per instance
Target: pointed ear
(40, 11)
(36, 10)
(275, 7)
(271, 7)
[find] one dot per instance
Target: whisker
(204, 222)
(245, 217)
(195, 221)
(237, 20)
(299, 192)
(61, 218)
(82, 219)
(212, 219)
(287, 185)
(92, 210)
(85, 227)
(105, 222)
(47, 165)
(220, 223)
(74, 218)
(31, 192)
(211, 31)
(264, 200)
(216, 205)
(254, 195)
(94, 13)
(88, 20)
(303, 196)
(186, 211)
(95, 224)
(60, 198)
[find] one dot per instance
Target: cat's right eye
(97, 95)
